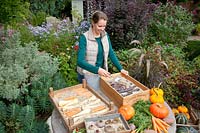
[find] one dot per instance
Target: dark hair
(97, 15)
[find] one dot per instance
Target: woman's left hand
(124, 72)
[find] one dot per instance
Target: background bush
(128, 21)
(170, 24)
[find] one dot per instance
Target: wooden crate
(108, 119)
(194, 119)
(69, 121)
(117, 98)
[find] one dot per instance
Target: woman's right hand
(103, 72)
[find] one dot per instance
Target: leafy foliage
(2, 128)
(142, 117)
(13, 11)
(3, 109)
(189, 87)
(22, 65)
(26, 75)
(193, 49)
(128, 59)
(20, 119)
(51, 7)
(40, 127)
(170, 24)
(37, 18)
(128, 21)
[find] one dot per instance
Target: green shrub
(198, 28)
(22, 65)
(38, 18)
(51, 7)
(26, 75)
(170, 24)
(12, 12)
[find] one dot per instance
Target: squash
(181, 118)
(192, 130)
(157, 91)
(182, 130)
(182, 109)
(175, 111)
(156, 98)
(159, 110)
(187, 115)
(127, 111)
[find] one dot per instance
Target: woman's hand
(103, 72)
(124, 72)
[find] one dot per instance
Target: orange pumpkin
(182, 109)
(159, 110)
(127, 111)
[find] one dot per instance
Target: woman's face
(99, 26)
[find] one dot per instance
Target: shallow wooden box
(117, 98)
(108, 117)
(69, 121)
(194, 120)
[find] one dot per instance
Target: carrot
(164, 123)
(159, 130)
(154, 123)
(162, 127)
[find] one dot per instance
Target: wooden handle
(51, 91)
(84, 83)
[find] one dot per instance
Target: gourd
(181, 118)
(175, 111)
(157, 91)
(192, 130)
(187, 115)
(156, 98)
(182, 109)
(159, 110)
(182, 130)
(127, 111)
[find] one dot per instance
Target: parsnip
(67, 102)
(84, 112)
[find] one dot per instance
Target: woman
(94, 50)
